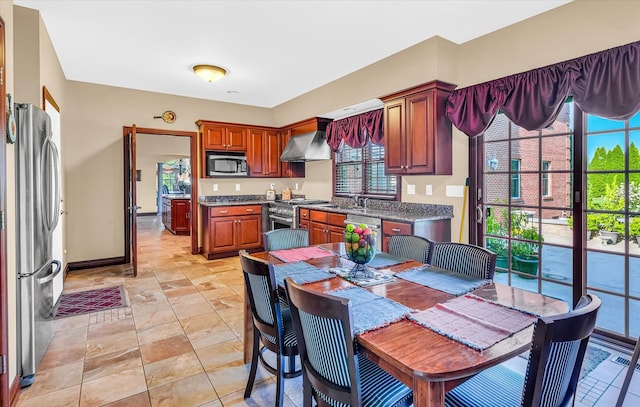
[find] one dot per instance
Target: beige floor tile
(66, 397)
(172, 369)
(151, 317)
(66, 337)
(231, 379)
(63, 355)
(263, 395)
(180, 291)
(111, 363)
(170, 285)
(184, 311)
(137, 400)
(111, 343)
(210, 335)
(108, 328)
(64, 324)
(56, 378)
(165, 348)
(190, 391)
(186, 299)
(220, 291)
(113, 387)
(225, 354)
(159, 332)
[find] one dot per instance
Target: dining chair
(278, 239)
(412, 247)
(271, 325)
(473, 261)
(555, 359)
(334, 372)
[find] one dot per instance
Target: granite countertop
(235, 203)
(176, 196)
(384, 214)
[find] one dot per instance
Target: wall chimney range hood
(307, 147)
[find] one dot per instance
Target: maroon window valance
(605, 84)
(356, 130)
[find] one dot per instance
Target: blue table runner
(300, 272)
(443, 280)
(370, 311)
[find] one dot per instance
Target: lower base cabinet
(326, 227)
(176, 215)
(228, 229)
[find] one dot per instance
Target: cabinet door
(390, 228)
(254, 153)
(336, 234)
(271, 154)
(394, 122)
(214, 137)
(236, 139)
(317, 233)
(419, 146)
(249, 231)
(222, 234)
(181, 212)
(289, 169)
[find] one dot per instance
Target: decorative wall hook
(169, 116)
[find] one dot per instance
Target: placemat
(443, 280)
(300, 272)
(474, 321)
(382, 259)
(378, 277)
(301, 253)
(370, 311)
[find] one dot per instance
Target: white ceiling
(273, 50)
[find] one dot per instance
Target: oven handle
(288, 220)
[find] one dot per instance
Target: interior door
(131, 208)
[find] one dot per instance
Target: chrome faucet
(356, 200)
(364, 202)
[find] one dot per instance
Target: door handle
(479, 214)
(53, 275)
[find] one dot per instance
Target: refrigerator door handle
(52, 216)
(53, 275)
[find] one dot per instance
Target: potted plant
(496, 226)
(525, 252)
(634, 229)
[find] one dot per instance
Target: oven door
(281, 222)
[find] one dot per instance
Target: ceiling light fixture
(209, 73)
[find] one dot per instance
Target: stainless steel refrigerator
(38, 212)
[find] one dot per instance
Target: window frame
(545, 179)
(364, 192)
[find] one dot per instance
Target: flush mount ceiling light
(209, 73)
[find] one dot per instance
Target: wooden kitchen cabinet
(263, 152)
(417, 134)
(436, 230)
(326, 227)
(390, 228)
(227, 229)
(222, 137)
(290, 169)
(303, 219)
(176, 215)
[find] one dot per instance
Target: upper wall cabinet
(220, 137)
(263, 153)
(417, 134)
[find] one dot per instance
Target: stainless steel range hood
(307, 147)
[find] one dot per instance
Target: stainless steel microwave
(223, 164)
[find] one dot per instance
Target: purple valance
(606, 84)
(356, 130)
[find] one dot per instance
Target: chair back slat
(279, 239)
(557, 352)
(473, 261)
(410, 247)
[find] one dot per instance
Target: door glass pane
(634, 323)
(605, 192)
(606, 271)
(559, 291)
(596, 123)
(634, 154)
(611, 315)
(557, 263)
(634, 277)
(635, 121)
(527, 151)
(496, 188)
(605, 152)
(558, 151)
(529, 189)
(496, 156)
(499, 129)
(560, 188)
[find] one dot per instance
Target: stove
(284, 214)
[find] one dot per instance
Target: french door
(560, 207)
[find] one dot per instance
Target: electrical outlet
(273, 186)
(428, 190)
(411, 189)
(296, 186)
(215, 187)
(237, 187)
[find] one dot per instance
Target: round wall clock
(169, 116)
(11, 122)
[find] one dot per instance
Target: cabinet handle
(395, 230)
(224, 212)
(250, 210)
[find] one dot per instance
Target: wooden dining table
(429, 363)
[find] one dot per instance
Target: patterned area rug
(84, 302)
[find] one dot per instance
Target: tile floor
(179, 342)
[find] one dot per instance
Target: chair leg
(292, 364)
(254, 363)
(307, 397)
(280, 381)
